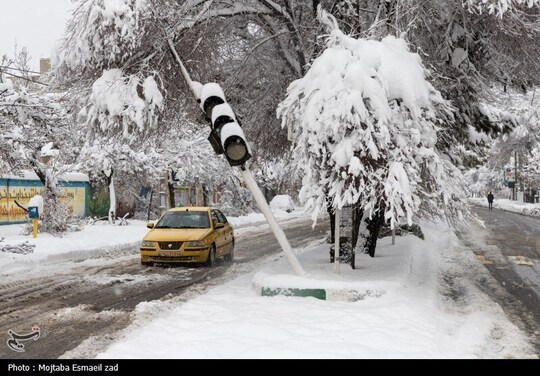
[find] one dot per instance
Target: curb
(341, 295)
(314, 293)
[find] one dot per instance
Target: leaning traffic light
(226, 137)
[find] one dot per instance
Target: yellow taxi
(189, 234)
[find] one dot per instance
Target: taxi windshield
(184, 219)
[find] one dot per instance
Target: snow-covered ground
(100, 240)
(419, 301)
(509, 205)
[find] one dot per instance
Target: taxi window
(215, 218)
(221, 217)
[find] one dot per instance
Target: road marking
(521, 260)
(483, 260)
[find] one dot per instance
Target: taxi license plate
(169, 253)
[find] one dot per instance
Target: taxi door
(220, 241)
(228, 231)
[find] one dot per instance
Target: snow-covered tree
(523, 142)
(365, 119)
(113, 161)
(265, 44)
(277, 174)
(35, 134)
(482, 179)
(254, 48)
(190, 158)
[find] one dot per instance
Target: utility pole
(514, 192)
(336, 242)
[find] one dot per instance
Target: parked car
(191, 235)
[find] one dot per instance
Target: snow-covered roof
(31, 175)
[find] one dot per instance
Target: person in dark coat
(490, 200)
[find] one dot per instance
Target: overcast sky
(34, 24)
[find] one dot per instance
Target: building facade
(73, 192)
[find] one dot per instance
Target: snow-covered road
(509, 248)
(95, 298)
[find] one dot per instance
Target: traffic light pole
(249, 180)
(274, 226)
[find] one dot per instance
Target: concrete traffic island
(269, 285)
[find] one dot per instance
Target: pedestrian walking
(490, 200)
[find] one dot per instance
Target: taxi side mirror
(218, 225)
(150, 225)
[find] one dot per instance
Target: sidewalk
(512, 206)
(417, 299)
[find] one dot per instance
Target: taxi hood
(177, 234)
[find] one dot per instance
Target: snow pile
(414, 314)
(283, 202)
(509, 205)
(37, 201)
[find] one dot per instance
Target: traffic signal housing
(227, 136)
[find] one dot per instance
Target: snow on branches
(498, 7)
(365, 120)
(115, 103)
(107, 31)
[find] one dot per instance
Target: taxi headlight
(197, 243)
(148, 244)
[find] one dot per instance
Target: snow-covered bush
(402, 230)
(56, 215)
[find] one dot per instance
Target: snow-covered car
(191, 235)
(283, 202)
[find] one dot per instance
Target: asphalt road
(509, 248)
(94, 303)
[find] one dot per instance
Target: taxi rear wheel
(211, 260)
(230, 256)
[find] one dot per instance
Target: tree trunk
(150, 205)
(391, 17)
(172, 202)
(112, 195)
(358, 214)
(332, 215)
(112, 206)
(369, 231)
(170, 186)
